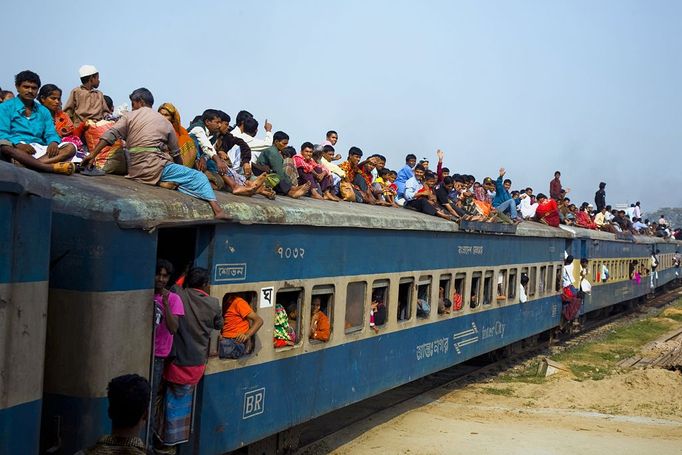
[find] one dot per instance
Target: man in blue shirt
(27, 132)
(503, 200)
(405, 174)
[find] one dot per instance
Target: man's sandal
(64, 168)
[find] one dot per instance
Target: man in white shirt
(256, 145)
(638, 210)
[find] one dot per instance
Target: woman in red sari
(547, 211)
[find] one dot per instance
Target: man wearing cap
(86, 102)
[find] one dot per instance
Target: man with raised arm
(151, 143)
(503, 201)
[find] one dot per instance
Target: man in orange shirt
(241, 324)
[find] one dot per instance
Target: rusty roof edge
(18, 180)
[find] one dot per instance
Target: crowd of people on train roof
(89, 135)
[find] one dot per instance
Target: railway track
(304, 439)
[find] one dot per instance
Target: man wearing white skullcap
(86, 102)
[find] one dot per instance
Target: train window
(235, 323)
(321, 313)
(405, 298)
(595, 269)
(557, 278)
(475, 290)
(379, 309)
(532, 281)
(424, 297)
(511, 288)
(288, 317)
(444, 302)
(542, 283)
(488, 287)
(355, 306)
(501, 286)
(458, 294)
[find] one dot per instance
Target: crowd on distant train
(89, 135)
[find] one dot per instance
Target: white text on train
(466, 250)
(496, 329)
(439, 346)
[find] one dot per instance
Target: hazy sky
(589, 88)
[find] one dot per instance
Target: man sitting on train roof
(27, 132)
(503, 201)
(405, 174)
(359, 175)
(150, 138)
(419, 193)
(271, 161)
(328, 156)
(247, 132)
(209, 132)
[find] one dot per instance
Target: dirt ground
(631, 411)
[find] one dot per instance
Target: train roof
(138, 206)
(18, 180)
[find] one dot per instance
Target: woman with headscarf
(188, 150)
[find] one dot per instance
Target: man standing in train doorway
(654, 266)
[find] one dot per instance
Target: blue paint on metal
(81, 421)
(299, 388)
(20, 428)
(90, 255)
(265, 253)
(24, 238)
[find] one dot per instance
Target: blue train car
(25, 213)
(107, 233)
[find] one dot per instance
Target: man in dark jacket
(600, 197)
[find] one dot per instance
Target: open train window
(542, 282)
(557, 278)
(424, 297)
(288, 317)
(444, 297)
(405, 299)
(459, 291)
(511, 288)
(379, 310)
(594, 272)
(355, 306)
(475, 290)
(488, 287)
(321, 325)
(532, 281)
(501, 286)
(237, 325)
